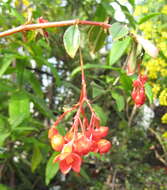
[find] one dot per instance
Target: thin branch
(27, 27)
(132, 115)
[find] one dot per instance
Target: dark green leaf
(97, 90)
(36, 158)
(4, 131)
(108, 8)
(118, 31)
(71, 40)
(119, 100)
(35, 83)
(51, 168)
(118, 49)
(126, 83)
(100, 14)
(97, 37)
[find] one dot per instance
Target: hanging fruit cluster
(138, 93)
(83, 137)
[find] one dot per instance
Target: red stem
(26, 27)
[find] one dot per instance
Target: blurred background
(39, 81)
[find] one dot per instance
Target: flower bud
(57, 142)
(103, 146)
(100, 132)
(52, 131)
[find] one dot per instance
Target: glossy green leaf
(147, 17)
(118, 49)
(19, 108)
(126, 83)
(100, 113)
(51, 168)
(100, 13)
(71, 40)
(6, 61)
(36, 158)
(119, 100)
(149, 92)
(97, 37)
(118, 31)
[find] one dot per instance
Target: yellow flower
(155, 89)
(163, 97)
(164, 118)
(164, 10)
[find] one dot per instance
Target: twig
(113, 179)
(132, 115)
(27, 27)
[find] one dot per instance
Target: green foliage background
(39, 80)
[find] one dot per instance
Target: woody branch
(27, 27)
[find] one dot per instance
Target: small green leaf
(7, 60)
(118, 31)
(119, 100)
(51, 168)
(97, 37)
(19, 108)
(100, 113)
(118, 49)
(126, 83)
(36, 158)
(72, 40)
(97, 90)
(147, 17)
(149, 92)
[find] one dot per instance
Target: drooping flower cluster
(138, 93)
(83, 137)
